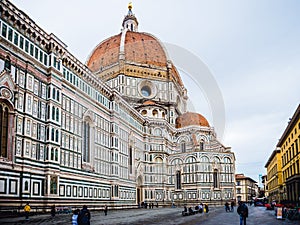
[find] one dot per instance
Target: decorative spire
(130, 22)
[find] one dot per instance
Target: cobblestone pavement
(160, 216)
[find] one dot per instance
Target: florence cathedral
(113, 131)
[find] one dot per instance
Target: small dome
(190, 118)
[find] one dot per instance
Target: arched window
(53, 113)
(7, 64)
(201, 145)
(56, 135)
(57, 95)
(56, 154)
(46, 153)
(178, 180)
(52, 154)
(154, 113)
(86, 142)
(183, 146)
(130, 158)
(57, 114)
(216, 181)
(3, 130)
(26, 186)
(157, 132)
(52, 134)
(53, 93)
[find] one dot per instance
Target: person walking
(53, 210)
(75, 217)
(105, 210)
(232, 206)
(227, 207)
(84, 216)
(206, 208)
(27, 209)
(242, 210)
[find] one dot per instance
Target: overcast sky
(252, 48)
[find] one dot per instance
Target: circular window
(146, 91)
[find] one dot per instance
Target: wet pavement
(159, 216)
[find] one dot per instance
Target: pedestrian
(206, 208)
(232, 206)
(27, 209)
(242, 210)
(226, 206)
(75, 217)
(53, 211)
(84, 216)
(105, 210)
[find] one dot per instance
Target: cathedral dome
(132, 53)
(139, 48)
(190, 118)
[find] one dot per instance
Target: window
(86, 142)
(178, 180)
(130, 160)
(4, 129)
(146, 91)
(216, 181)
(4, 30)
(183, 146)
(201, 145)
(10, 34)
(53, 185)
(7, 64)
(16, 38)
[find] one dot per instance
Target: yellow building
(290, 155)
(274, 182)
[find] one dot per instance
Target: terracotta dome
(189, 118)
(132, 53)
(141, 48)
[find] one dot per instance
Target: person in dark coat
(84, 216)
(242, 210)
(53, 210)
(105, 210)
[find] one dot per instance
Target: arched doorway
(139, 190)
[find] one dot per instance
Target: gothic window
(52, 153)
(178, 180)
(46, 153)
(183, 146)
(26, 186)
(53, 113)
(52, 134)
(201, 145)
(56, 155)
(216, 181)
(53, 185)
(53, 93)
(57, 115)
(56, 135)
(86, 142)
(4, 129)
(7, 64)
(130, 160)
(57, 95)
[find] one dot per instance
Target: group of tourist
(150, 205)
(79, 217)
(197, 209)
(231, 208)
(83, 216)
